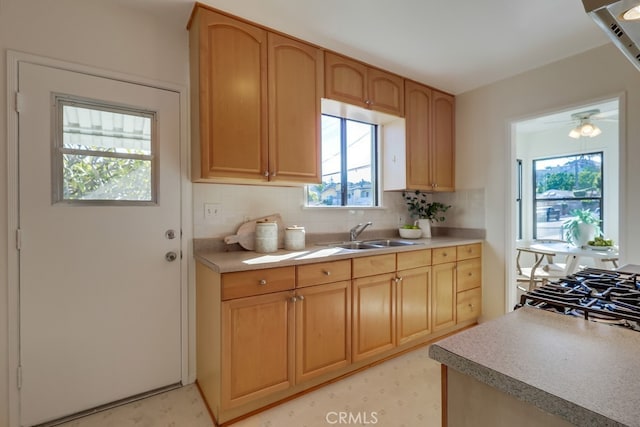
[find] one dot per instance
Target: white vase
(586, 232)
(425, 226)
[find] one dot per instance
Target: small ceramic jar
(266, 237)
(294, 238)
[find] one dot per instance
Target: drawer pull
(326, 272)
(293, 299)
(262, 282)
(301, 297)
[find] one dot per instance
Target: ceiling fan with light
(585, 127)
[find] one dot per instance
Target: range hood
(625, 34)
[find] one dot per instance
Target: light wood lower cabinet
(264, 335)
(323, 329)
(444, 288)
(256, 347)
(373, 315)
(413, 312)
(469, 283)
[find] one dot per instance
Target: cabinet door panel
(256, 343)
(444, 296)
(413, 295)
(386, 92)
(418, 135)
(345, 80)
(373, 315)
(323, 329)
(296, 82)
(443, 142)
(233, 97)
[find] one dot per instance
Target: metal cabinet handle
(301, 297)
(293, 299)
(262, 282)
(171, 256)
(266, 173)
(326, 272)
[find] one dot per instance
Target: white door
(99, 300)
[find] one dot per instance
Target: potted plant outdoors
(425, 212)
(583, 227)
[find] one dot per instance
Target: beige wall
(483, 151)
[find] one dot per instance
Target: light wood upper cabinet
(255, 103)
(355, 83)
(295, 88)
(430, 138)
(229, 97)
(443, 142)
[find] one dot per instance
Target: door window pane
(103, 154)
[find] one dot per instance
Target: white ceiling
(455, 46)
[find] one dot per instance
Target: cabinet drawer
(371, 265)
(469, 274)
(469, 251)
(257, 282)
(414, 259)
(324, 272)
(469, 305)
(442, 255)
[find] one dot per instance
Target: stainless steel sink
(354, 245)
(370, 244)
(385, 243)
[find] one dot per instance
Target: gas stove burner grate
(598, 295)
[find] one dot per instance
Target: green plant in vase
(584, 226)
(424, 211)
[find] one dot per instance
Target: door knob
(171, 256)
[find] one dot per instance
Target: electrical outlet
(212, 210)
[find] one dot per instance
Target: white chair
(540, 272)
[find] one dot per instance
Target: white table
(574, 254)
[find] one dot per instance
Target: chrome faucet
(355, 231)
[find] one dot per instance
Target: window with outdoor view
(349, 164)
(103, 154)
(563, 185)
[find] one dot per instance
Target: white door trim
(186, 327)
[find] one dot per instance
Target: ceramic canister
(294, 238)
(266, 237)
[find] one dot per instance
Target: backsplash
(238, 203)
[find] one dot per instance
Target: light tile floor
(401, 392)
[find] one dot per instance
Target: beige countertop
(223, 262)
(585, 372)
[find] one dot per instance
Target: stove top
(599, 295)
